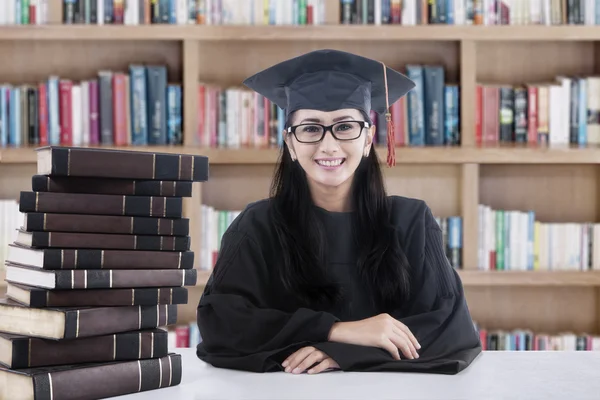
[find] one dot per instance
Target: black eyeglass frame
(292, 129)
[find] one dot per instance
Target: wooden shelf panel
(507, 278)
(321, 33)
(530, 278)
(404, 155)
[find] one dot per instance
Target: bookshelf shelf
(506, 278)
(404, 155)
(295, 33)
(530, 278)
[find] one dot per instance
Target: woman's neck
(334, 199)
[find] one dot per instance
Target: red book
(43, 113)
(479, 114)
(183, 336)
(532, 119)
(94, 113)
(119, 109)
(201, 115)
(66, 127)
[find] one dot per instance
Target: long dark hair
(381, 262)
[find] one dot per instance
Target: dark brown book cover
(41, 298)
(79, 322)
(91, 381)
(102, 241)
(132, 187)
(99, 279)
(62, 258)
(114, 224)
(123, 164)
(27, 352)
(101, 204)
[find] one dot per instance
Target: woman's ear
(369, 140)
(289, 142)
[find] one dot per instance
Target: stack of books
(96, 273)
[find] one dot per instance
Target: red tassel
(391, 144)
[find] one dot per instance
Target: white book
(85, 112)
(76, 117)
(100, 12)
(182, 12)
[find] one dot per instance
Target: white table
(493, 375)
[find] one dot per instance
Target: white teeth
(333, 163)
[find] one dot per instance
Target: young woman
(330, 272)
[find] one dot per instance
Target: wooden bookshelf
(561, 184)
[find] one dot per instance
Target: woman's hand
(305, 357)
(382, 331)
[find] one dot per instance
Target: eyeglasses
(313, 132)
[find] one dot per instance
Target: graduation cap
(328, 80)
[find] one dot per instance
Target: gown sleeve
(239, 326)
(437, 315)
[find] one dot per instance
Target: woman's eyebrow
(318, 120)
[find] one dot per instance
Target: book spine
(139, 105)
(94, 112)
(157, 113)
(119, 109)
(109, 164)
(434, 104)
(4, 100)
(106, 107)
(115, 259)
(53, 111)
(43, 113)
(103, 204)
(32, 108)
(109, 241)
(66, 117)
(106, 224)
(106, 297)
(35, 352)
(175, 134)
(42, 183)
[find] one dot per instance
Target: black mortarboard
(328, 80)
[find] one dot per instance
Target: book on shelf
(215, 222)
(238, 117)
(565, 111)
(468, 12)
(497, 339)
(194, 12)
(115, 285)
(515, 240)
(135, 108)
(24, 12)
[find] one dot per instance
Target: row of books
(215, 222)
(239, 117)
(188, 336)
(196, 12)
(515, 240)
(470, 12)
(566, 111)
(24, 12)
(527, 340)
(113, 108)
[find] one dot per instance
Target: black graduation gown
(245, 325)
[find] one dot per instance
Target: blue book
(416, 112)
(14, 137)
(174, 120)
(53, 111)
(451, 115)
(138, 106)
(156, 81)
(434, 104)
(4, 115)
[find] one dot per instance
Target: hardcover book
(27, 352)
(42, 297)
(79, 322)
(132, 187)
(99, 279)
(81, 258)
(90, 381)
(106, 224)
(102, 204)
(123, 164)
